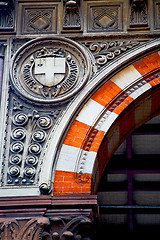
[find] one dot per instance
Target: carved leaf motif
(33, 229)
(57, 228)
(107, 51)
(9, 229)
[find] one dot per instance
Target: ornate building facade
(79, 80)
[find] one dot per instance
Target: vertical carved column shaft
(2, 49)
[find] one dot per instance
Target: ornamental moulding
(105, 52)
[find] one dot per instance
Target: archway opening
(129, 190)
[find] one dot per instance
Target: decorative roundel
(49, 70)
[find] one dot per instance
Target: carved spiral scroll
(20, 119)
(18, 134)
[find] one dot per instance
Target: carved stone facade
(28, 130)
(156, 14)
(68, 69)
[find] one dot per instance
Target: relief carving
(156, 14)
(44, 72)
(37, 74)
(72, 20)
(50, 70)
(105, 17)
(104, 52)
(6, 15)
(45, 188)
(16, 229)
(139, 13)
(39, 19)
(75, 228)
(44, 228)
(30, 129)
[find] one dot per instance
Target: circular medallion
(50, 69)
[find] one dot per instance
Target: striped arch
(122, 104)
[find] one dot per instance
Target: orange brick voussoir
(66, 183)
(147, 64)
(76, 134)
(107, 93)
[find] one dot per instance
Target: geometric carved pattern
(39, 20)
(104, 18)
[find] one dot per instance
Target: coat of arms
(49, 69)
(50, 72)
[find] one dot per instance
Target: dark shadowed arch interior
(129, 190)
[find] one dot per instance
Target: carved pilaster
(139, 13)
(6, 15)
(72, 20)
(2, 53)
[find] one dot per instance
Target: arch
(129, 96)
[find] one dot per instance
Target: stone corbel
(70, 228)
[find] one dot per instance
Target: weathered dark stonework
(7, 15)
(48, 218)
(72, 18)
(156, 15)
(139, 13)
(2, 53)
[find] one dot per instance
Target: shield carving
(50, 71)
